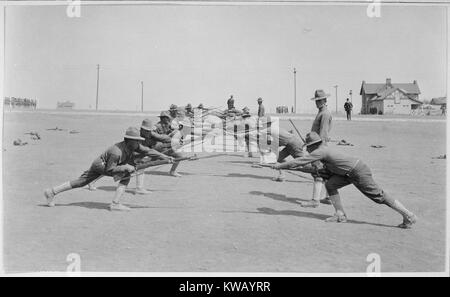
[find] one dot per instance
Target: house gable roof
(380, 88)
(385, 93)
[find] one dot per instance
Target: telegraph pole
(336, 87)
(142, 96)
(98, 79)
(351, 96)
(295, 90)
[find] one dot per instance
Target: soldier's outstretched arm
(314, 156)
(152, 153)
(160, 137)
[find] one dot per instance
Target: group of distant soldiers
(329, 169)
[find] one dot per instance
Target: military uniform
(161, 140)
(322, 123)
(348, 106)
(345, 170)
(261, 110)
(117, 159)
(292, 144)
(111, 162)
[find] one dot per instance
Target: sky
(204, 53)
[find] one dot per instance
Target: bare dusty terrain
(222, 215)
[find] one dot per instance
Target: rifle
(309, 169)
(298, 132)
(148, 164)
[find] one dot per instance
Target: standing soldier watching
(321, 126)
(261, 110)
(348, 106)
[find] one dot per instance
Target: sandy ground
(222, 215)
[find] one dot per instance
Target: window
(397, 97)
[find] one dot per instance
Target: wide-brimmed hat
(133, 133)
(188, 106)
(164, 114)
(173, 107)
(312, 138)
(260, 99)
(319, 95)
(200, 106)
(147, 125)
(246, 112)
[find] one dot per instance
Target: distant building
(65, 105)
(389, 98)
(439, 101)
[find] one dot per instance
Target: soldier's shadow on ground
(303, 214)
(128, 190)
(265, 177)
(94, 205)
(278, 197)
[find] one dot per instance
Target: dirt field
(222, 215)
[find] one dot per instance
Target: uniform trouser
(292, 148)
(349, 115)
(361, 178)
(96, 170)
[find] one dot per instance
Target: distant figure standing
(444, 109)
(261, 110)
(348, 106)
(231, 110)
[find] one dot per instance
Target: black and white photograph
(224, 138)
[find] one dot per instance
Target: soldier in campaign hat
(117, 159)
(322, 126)
(261, 110)
(345, 170)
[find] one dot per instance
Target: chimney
(388, 81)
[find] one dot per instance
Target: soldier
(322, 126)
(348, 106)
(163, 133)
(189, 111)
(115, 160)
(322, 122)
(345, 170)
(261, 110)
(231, 110)
(291, 143)
(173, 111)
(249, 126)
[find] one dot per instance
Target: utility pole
(142, 96)
(295, 90)
(98, 79)
(351, 96)
(336, 87)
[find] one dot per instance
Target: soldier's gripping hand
(128, 168)
(170, 159)
(276, 166)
